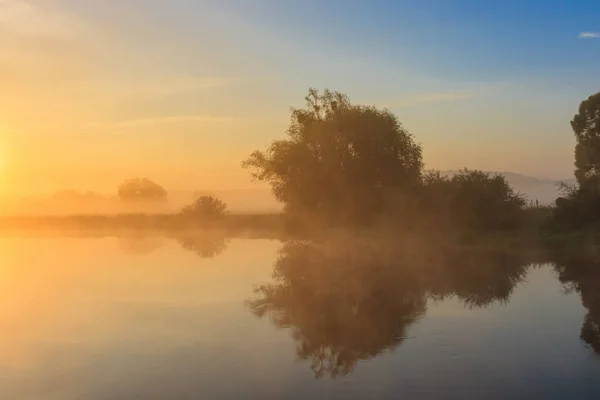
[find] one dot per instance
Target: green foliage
(576, 209)
(205, 208)
(339, 160)
(580, 205)
(473, 200)
(343, 163)
(138, 189)
(586, 126)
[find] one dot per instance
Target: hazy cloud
(206, 120)
(30, 19)
(589, 35)
(431, 98)
(167, 85)
(175, 119)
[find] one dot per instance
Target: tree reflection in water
(579, 269)
(350, 301)
(478, 276)
(203, 244)
(140, 244)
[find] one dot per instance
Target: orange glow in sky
(96, 92)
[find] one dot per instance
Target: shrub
(205, 208)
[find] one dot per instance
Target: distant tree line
(342, 164)
(203, 209)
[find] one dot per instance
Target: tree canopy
(580, 205)
(339, 159)
(141, 189)
(474, 200)
(586, 126)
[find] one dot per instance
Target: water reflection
(350, 301)
(479, 277)
(82, 320)
(579, 270)
(140, 244)
(203, 244)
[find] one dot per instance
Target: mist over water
(154, 317)
(373, 277)
(184, 216)
(72, 202)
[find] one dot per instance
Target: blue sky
(184, 89)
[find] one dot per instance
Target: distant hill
(543, 190)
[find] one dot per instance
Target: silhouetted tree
(205, 208)
(580, 205)
(475, 200)
(339, 160)
(141, 189)
(586, 126)
(576, 207)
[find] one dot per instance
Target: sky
(181, 91)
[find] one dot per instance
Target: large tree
(580, 204)
(586, 126)
(339, 160)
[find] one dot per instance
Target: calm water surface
(153, 318)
